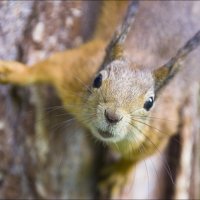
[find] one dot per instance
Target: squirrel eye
(148, 104)
(97, 81)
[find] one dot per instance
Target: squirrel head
(122, 96)
(119, 94)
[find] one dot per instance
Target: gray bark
(42, 153)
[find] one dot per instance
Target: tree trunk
(42, 153)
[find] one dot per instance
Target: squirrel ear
(115, 49)
(165, 73)
(161, 77)
(117, 52)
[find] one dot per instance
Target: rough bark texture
(43, 155)
(39, 158)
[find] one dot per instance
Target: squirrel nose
(112, 117)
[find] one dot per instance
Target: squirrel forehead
(126, 74)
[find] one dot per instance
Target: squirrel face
(119, 93)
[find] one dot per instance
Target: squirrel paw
(10, 71)
(114, 181)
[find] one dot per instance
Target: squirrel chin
(106, 136)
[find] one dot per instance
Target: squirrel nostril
(112, 117)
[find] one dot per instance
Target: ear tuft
(165, 73)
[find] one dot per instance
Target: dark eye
(97, 81)
(149, 103)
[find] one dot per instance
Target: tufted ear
(166, 72)
(115, 49)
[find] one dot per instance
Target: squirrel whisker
(156, 129)
(152, 117)
(168, 170)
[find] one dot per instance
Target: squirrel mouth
(105, 134)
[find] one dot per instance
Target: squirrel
(109, 93)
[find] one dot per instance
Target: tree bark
(43, 155)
